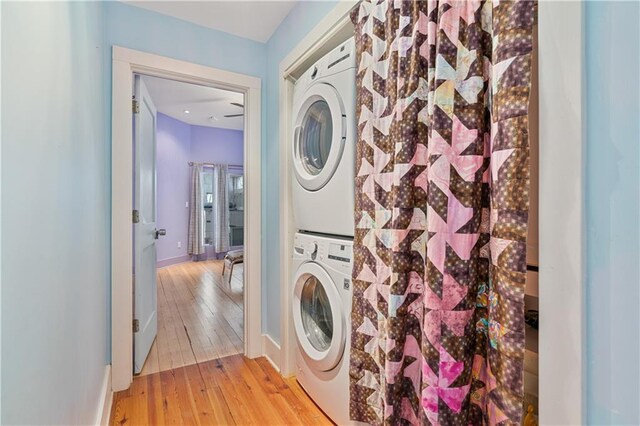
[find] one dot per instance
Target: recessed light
(186, 111)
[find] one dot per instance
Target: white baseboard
(103, 411)
(271, 351)
(173, 261)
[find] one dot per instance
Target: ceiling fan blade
(234, 115)
(237, 104)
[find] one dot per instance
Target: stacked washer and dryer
(324, 138)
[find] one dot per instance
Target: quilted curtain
(220, 216)
(195, 246)
(442, 180)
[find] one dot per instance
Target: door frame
(561, 199)
(126, 62)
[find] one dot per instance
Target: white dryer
(324, 132)
(321, 314)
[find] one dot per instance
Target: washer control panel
(333, 252)
(339, 252)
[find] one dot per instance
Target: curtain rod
(214, 164)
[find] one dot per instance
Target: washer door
(318, 136)
(318, 316)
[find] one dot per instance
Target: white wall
(55, 295)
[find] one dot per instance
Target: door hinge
(136, 216)
(136, 325)
(135, 106)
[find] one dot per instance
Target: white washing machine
(324, 132)
(321, 315)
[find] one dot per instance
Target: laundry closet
(323, 160)
(347, 294)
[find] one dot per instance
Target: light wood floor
(200, 317)
(231, 390)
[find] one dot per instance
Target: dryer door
(318, 136)
(318, 316)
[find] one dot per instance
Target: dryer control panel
(338, 60)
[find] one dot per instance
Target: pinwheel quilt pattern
(442, 181)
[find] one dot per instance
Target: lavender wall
(173, 152)
(213, 145)
(178, 143)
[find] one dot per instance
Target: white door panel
(145, 235)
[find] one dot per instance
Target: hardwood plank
(139, 402)
(261, 403)
(301, 395)
(155, 400)
(221, 412)
(226, 391)
(198, 392)
(200, 317)
(237, 395)
(176, 412)
(188, 378)
(297, 399)
(121, 408)
(277, 396)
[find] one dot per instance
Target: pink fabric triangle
(497, 160)
(498, 245)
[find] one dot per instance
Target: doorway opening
(188, 239)
(204, 337)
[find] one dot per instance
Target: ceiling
(255, 20)
(207, 106)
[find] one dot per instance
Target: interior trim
(271, 351)
(105, 401)
(561, 211)
(125, 62)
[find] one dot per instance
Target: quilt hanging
(441, 211)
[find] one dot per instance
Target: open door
(145, 234)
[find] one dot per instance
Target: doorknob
(160, 232)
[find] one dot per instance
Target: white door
(318, 136)
(145, 304)
(318, 316)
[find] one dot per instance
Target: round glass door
(315, 310)
(318, 136)
(318, 317)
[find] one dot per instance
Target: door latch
(136, 325)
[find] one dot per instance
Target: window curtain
(220, 216)
(196, 213)
(441, 214)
